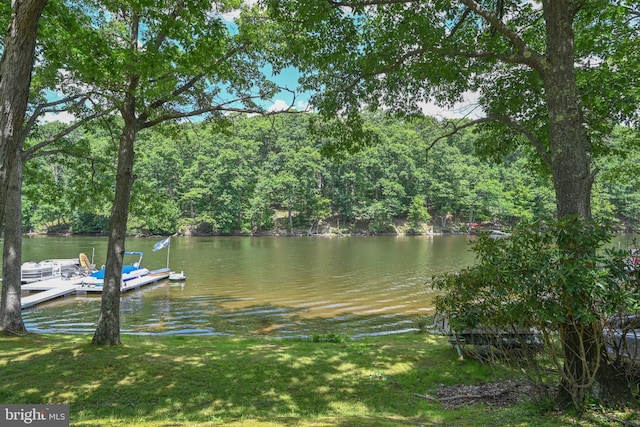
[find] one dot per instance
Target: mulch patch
(499, 394)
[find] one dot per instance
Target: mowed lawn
(202, 381)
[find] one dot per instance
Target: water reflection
(287, 287)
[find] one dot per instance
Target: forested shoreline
(269, 175)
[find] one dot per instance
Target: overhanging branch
(518, 127)
(33, 151)
(508, 121)
(525, 55)
(226, 107)
(189, 84)
(521, 54)
(68, 103)
(43, 153)
(362, 3)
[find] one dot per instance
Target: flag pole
(168, 250)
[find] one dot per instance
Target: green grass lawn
(201, 381)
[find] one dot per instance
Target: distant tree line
(262, 173)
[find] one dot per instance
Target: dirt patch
(499, 394)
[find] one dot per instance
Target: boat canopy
(140, 254)
(126, 268)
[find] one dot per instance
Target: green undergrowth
(202, 381)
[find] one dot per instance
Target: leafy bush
(554, 277)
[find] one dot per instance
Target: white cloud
(63, 117)
(282, 105)
(468, 108)
(278, 105)
(471, 111)
(303, 105)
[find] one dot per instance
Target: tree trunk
(108, 328)
(15, 71)
(10, 305)
(571, 159)
(585, 360)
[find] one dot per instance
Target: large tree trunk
(108, 328)
(10, 305)
(585, 362)
(15, 81)
(571, 159)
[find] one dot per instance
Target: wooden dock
(40, 297)
(47, 290)
(45, 285)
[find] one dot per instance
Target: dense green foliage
(515, 280)
(267, 172)
(526, 283)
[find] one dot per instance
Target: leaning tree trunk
(108, 328)
(15, 71)
(586, 367)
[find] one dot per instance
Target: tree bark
(586, 367)
(108, 328)
(15, 80)
(10, 303)
(571, 159)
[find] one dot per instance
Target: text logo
(34, 415)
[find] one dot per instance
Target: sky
(288, 78)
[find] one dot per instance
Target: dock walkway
(40, 297)
(46, 290)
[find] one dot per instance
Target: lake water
(277, 286)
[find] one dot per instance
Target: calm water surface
(279, 286)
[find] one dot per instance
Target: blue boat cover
(125, 269)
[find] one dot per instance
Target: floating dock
(47, 290)
(40, 297)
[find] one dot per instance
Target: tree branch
(108, 164)
(177, 92)
(162, 36)
(513, 124)
(525, 54)
(520, 58)
(49, 107)
(195, 79)
(393, 66)
(226, 107)
(459, 23)
(32, 152)
(535, 141)
(362, 3)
